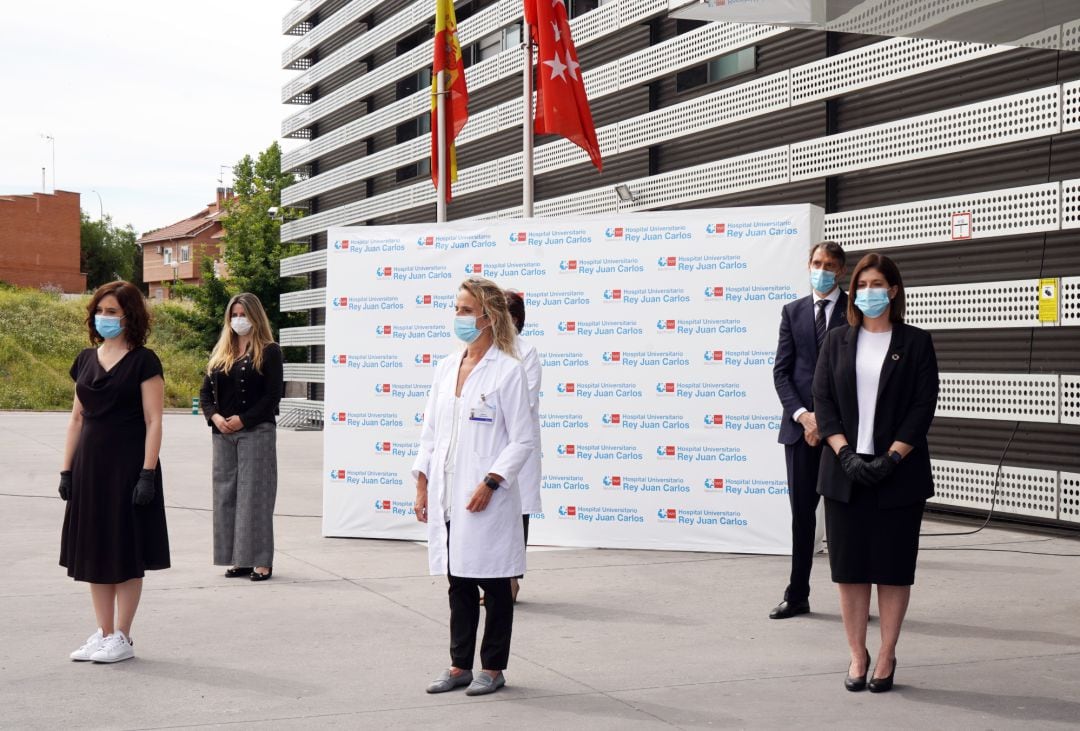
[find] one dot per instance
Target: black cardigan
(906, 401)
(257, 403)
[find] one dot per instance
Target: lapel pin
(896, 356)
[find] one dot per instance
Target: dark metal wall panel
(805, 191)
(782, 128)
(344, 195)
(1040, 446)
(618, 169)
(987, 78)
(1008, 350)
(1003, 166)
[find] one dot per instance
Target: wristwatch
(895, 456)
(491, 483)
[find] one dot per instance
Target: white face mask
(241, 325)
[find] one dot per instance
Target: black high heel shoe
(859, 683)
(238, 571)
(256, 576)
(882, 685)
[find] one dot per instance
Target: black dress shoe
(238, 572)
(859, 683)
(883, 685)
(256, 576)
(787, 609)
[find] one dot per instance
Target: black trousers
(464, 596)
(802, 472)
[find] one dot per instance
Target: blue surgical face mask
(822, 280)
(108, 327)
(465, 328)
(872, 301)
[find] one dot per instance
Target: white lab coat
(529, 478)
(487, 544)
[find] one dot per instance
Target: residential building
(175, 253)
(40, 241)
(961, 160)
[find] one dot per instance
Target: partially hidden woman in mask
(114, 522)
(477, 436)
(240, 395)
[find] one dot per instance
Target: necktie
(819, 321)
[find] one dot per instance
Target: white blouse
(870, 352)
(450, 465)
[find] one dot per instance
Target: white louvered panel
(1069, 502)
(1049, 38)
(303, 9)
(1020, 490)
(597, 200)
(314, 335)
(1070, 204)
(744, 172)
(1070, 36)
(483, 23)
(1012, 211)
(1070, 399)
(293, 406)
(307, 299)
(365, 167)
(1070, 106)
(1015, 397)
(305, 372)
(974, 306)
(902, 17)
(729, 105)
(633, 11)
(896, 58)
(1069, 300)
(478, 177)
(689, 49)
(312, 261)
(348, 14)
(594, 24)
(381, 35)
(1012, 118)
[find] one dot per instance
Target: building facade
(959, 160)
(40, 241)
(175, 253)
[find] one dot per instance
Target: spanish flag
(448, 59)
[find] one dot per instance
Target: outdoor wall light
(625, 194)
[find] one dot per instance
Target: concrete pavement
(348, 632)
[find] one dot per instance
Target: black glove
(65, 485)
(144, 488)
(880, 468)
(854, 466)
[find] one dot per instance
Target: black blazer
(906, 400)
(796, 356)
(258, 405)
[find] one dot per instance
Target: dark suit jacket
(796, 356)
(906, 400)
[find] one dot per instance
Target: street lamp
(52, 141)
(101, 207)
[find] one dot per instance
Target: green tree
(252, 250)
(109, 252)
(252, 243)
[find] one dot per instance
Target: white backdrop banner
(656, 332)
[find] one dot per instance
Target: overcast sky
(145, 99)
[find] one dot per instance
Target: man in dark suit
(803, 325)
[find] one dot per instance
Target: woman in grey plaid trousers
(239, 396)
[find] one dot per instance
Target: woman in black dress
(114, 523)
(875, 391)
(240, 395)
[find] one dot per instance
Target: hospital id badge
(483, 413)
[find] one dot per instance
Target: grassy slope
(40, 335)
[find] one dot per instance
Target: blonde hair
(226, 352)
(492, 301)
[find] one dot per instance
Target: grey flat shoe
(446, 681)
(484, 684)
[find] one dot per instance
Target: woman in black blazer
(875, 391)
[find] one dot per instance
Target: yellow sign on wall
(1048, 299)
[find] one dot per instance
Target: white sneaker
(93, 644)
(114, 648)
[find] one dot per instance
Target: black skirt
(869, 544)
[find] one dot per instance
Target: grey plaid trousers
(245, 490)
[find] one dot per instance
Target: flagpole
(527, 126)
(444, 172)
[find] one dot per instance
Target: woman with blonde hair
(477, 437)
(239, 397)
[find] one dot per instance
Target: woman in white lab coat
(477, 436)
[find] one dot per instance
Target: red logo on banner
(387, 271)
(669, 450)
(571, 510)
(616, 418)
(669, 388)
(616, 356)
(341, 474)
(717, 418)
(672, 513)
(616, 480)
(384, 387)
(669, 325)
(718, 483)
(477, 268)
